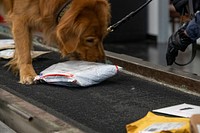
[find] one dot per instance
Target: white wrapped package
(77, 73)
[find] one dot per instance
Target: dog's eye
(90, 40)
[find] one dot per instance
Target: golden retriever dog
(78, 27)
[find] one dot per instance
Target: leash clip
(110, 29)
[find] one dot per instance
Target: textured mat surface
(104, 108)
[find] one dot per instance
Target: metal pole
(163, 18)
(163, 29)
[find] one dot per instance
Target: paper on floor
(8, 53)
(7, 44)
(7, 49)
(183, 110)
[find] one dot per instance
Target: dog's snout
(101, 58)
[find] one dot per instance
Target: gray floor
(148, 50)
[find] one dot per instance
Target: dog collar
(62, 10)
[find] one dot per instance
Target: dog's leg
(22, 58)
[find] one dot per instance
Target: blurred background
(145, 36)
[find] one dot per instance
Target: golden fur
(79, 32)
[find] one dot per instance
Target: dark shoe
(177, 41)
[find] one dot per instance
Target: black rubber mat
(104, 108)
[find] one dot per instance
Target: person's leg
(193, 28)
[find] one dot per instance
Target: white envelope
(183, 110)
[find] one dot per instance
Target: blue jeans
(193, 28)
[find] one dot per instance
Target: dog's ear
(103, 11)
(68, 32)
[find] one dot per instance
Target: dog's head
(82, 29)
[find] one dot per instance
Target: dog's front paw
(27, 74)
(28, 80)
